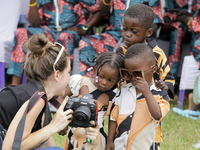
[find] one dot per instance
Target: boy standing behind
(139, 106)
(137, 26)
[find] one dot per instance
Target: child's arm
(84, 90)
(67, 93)
(111, 135)
(152, 104)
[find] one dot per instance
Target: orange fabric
(124, 50)
(79, 137)
(109, 109)
(66, 144)
(158, 135)
(115, 112)
(138, 124)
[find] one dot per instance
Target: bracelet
(32, 5)
(45, 134)
(106, 3)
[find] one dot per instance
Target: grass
(179, 133)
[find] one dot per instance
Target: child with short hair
(139, 106)
(137, 26)
(106, 76)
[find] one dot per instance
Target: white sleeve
(74, 84)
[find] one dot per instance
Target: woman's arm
(32, 140)
(33, 15)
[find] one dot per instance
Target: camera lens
(82, 115)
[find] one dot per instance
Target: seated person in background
(62, 21)
(137, 25)
(192, 105)
(91, 45)
(195, 42)
(178, 24)
(139, 106)
(106, 76)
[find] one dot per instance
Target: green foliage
(178, 132)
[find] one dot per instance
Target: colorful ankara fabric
(91, 45)
(136, 129)
(195, 43)
(95, 44)
(161, 61)
(179, 30)
(56, 16)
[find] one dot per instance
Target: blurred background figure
(61, 21)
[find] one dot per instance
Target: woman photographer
(48, 68)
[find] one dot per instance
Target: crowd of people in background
(119, 60)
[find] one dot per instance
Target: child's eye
(110, 80)
(124, 29)
(100, 76)
(134, 32)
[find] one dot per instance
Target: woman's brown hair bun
(37, 45)
(39, 65)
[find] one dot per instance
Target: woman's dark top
(12, 98)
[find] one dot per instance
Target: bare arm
(84, 90)
(32, 140)
(33, 15)
(95, 19)
(111, 135)
(105, 8)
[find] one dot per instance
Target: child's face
(132, 31)
(134, 65)
(107, 78)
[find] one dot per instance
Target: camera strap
(54, 102)
(20, 128)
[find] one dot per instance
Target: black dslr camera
(85, 109)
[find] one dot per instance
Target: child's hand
(110, 146)
(141, 84)
(64, 131)
(186, 18)
(161, 85)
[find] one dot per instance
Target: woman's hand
(93, 135)
(62, 118)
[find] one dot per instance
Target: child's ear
(94, 70)
(149, 32)
(154, 68)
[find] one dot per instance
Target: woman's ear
(56, 75)
(149, 32)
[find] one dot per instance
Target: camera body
(85, 110)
